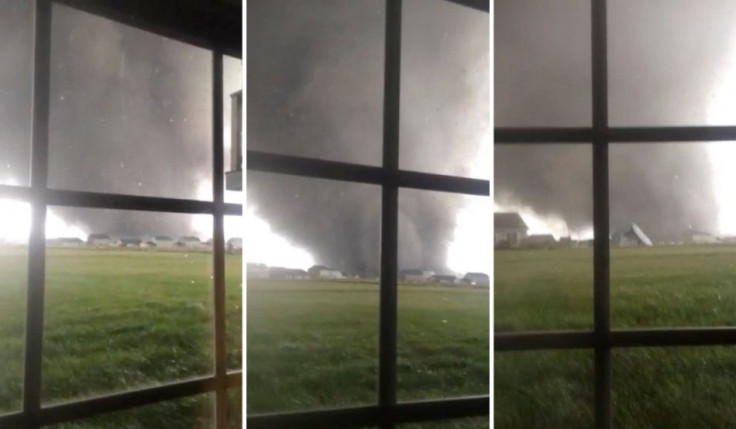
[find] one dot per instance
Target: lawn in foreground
(679, 387)
(314, 344)
(118, 320)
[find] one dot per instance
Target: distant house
(281, 273)
(256, 271)
(443, 279)
(702, 238)
(129, 242)
(540, 241)
(234, 244)
(630, 236)
(509, 230)
(314, 271)
(331, 274)
(322, 272)
(415, 276)
(189, 241)
(163, 241)
(148, 244)
(65, 242)
(477, 279)
(99, 240)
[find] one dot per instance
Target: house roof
(508, 221)
(633, 230)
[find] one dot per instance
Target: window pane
(312, 293)
(676, 388)
(444, 259)
(131, 112)
(671, 62)
(542, 63)
(466, 423)
(130, 307)
(13, 266)
(234, 290)
(444, 89)
(543, 272)
(672, 222)
(195, 412)
(315, 78)
(235, 408)
(16, 78)
(543, 389)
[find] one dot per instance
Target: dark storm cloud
(315, 88)
(130, 113)
(15, 90)
(665, 59)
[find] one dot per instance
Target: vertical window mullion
(601, 215)
(37, 242)
(218, 240)
(387, 382)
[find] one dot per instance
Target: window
(378, 388)
(113, 315)
(610, 369)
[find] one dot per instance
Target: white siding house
(509, 230)
(163, 241)
(100, 240)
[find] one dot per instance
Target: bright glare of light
(271, 249)
(471, 246)
(722, 111)
(15, 222)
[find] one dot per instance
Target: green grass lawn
(682, 387)
(119, 320)
(314, 345)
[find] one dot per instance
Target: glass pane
(678, 388)
(315, 78)
(131, 112)
(444, 260)
(312, 293)
(671, 62)
(235, 408)
(14, 233)
(129, 307)
(672, 223)
(444, 89)
(543, 389)
(195, 412)
(16, 79)
(466, 423)
(234, 289)
(543, 272)
(542, 63)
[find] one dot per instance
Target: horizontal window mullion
(661, 337)
(347, 172)
(615, 135)
(549, 340)
(126, 400)
(58, 197)
(209, 25)
(404, 412)
(677, 337)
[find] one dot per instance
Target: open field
(683, 387)
(118, 320)
(314, 345)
